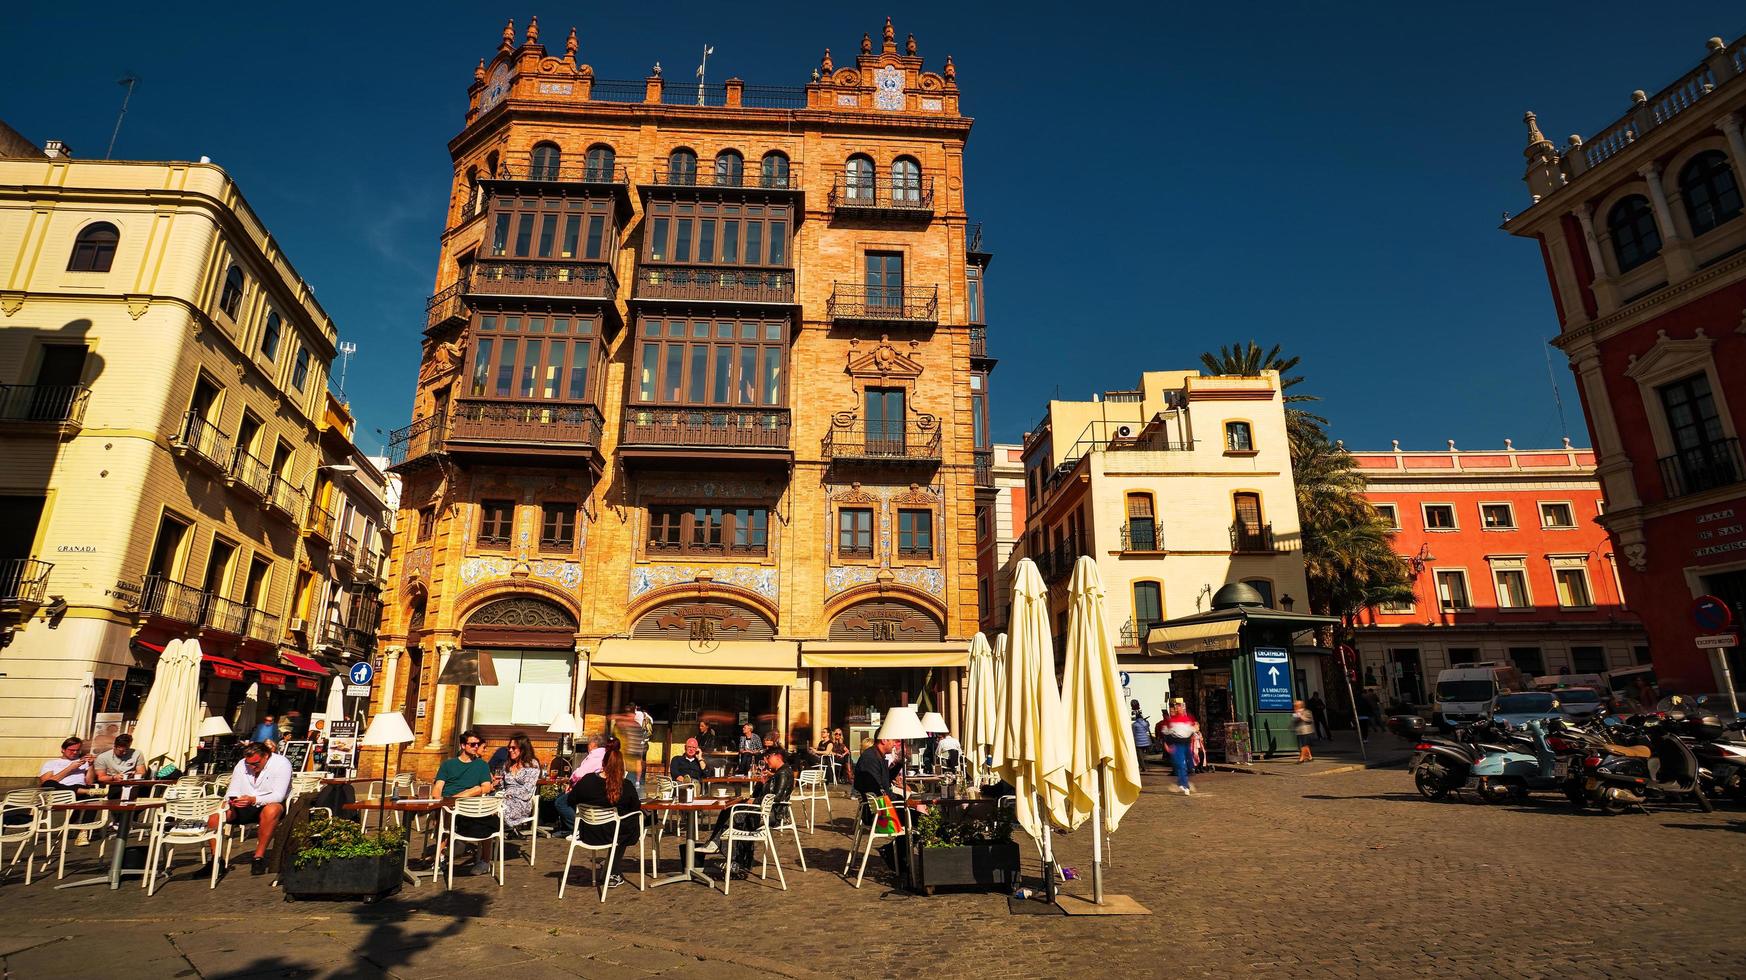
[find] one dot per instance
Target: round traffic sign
(361, 672)
(1711, 613)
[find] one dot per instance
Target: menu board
(297, 753)
(342, 744)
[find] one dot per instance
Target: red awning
(305, 664)
(274, 676)
(228, 669)
(157, 648)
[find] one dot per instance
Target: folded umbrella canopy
(1103, 768)
(336, 701)
(244, 725)
(83, 705)
(1030, 739)
(979, 717)
(1000, 662)
(169, 721)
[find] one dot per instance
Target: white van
(1465, 691)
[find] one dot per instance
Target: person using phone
(71, 769)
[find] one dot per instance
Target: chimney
(57, 150)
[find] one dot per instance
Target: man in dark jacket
(690, 765)
(778, 784)
(873, 778)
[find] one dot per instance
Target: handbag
(886, 819)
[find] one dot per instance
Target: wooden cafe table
(688, 847)
(124, 811)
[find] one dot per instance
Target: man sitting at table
(467, 775)
(119, 764)
(258, 787)
(690, 765)
(873, 777)
(779, 784)
(70, 770)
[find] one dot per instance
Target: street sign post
(1718, 641)
(1711, 614)
(1272, 679)
(361, 673)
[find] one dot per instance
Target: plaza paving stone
(1339, 873)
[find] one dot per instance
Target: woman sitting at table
(521, 781)
(609, 788)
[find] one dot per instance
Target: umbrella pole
(1097, 841)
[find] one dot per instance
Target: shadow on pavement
(1386, 797)
(392, 939)
(1738, 826)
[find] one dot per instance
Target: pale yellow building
(1176, 487)
(162, 373)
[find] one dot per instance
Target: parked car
(1521, 707)
(1580, 703)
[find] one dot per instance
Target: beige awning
(870, 653)
(1153, 666)
(769, 663)
(1191, 639)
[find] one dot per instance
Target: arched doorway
(530, 642)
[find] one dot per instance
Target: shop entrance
(860, 696)
(712, 714)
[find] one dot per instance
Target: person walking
(1319, 711)
(1142, 733)
(1304, 724)
(1183, 728)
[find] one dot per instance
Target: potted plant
(331, 858)
(960, 848)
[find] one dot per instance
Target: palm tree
(1247, 360)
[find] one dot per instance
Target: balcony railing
(715, 284)
(166, 598)
(248, 472)
(62, 405)
(884, 304)
(345, 548)
(705, 177)
(225, 615)
(319, 522)
(553, 280)
(851, 438)
(1142, 536)
(445, 307)
(417, 440)
(263, 627)
(984, 460)
(1057, 563)
(1135, 636)
(1715, 464)
(978, 341)
(503, 424)
(201, 441)
(287, 498)
(24, 581)
(712, 428)
(895, 196)
(1257, 538)
(525, 170)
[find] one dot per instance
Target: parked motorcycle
(1721, 754)
(1518, 770)
(1664, 770)
(1441, 763)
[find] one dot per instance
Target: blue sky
(1154, 182)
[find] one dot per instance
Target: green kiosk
(1247, 671)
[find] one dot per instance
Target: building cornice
(1705, 281)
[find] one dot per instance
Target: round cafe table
(124, 811)
(688, 847)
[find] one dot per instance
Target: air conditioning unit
(298, 625)
(1125, 432)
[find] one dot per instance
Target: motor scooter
(1720, 752)
(1665, 770)
(1514, 772)
(1440, 763)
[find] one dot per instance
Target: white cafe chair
(476, 806)
(67, 822)
(873, 833)
(759, 834)
(20, 830)
(182, 822)
(787, 822)
(812, 788)
(600, 816)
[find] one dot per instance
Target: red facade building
(1641, 231)
(1508, 564)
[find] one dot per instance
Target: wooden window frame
(1509, 512)
(856, 552)
(427, 522)
(502, 231)
(1466, 589)
(679, 520)
(1570, 508)
(1389, 512)
(492, 328)
(1230, 448)
(914, 551)
(662, 233)
(685, 339)
(565, 539)
(93, 253)
(230, 302)
(495, 533)
(1710, 184)
(1519, 566)
(1632, 231)
(1454, 517)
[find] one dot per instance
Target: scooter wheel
(1703, 800)
(1612, 806)
(1431, 785)
(1577, 798)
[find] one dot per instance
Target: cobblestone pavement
(1347, 873)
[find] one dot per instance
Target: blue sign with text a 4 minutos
(1272, 679)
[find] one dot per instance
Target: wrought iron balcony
(345, 548)
(1142, 536)
(1705, 467)
(1252, 538)
(417, 441)
(247, 472)
(878, 441)
(731, 429)
(287, 498)
(224, 615)
(979, 341)
(446, 307)
(706, 178)
(715, 284)
(984, 460)
(897, 197)
(855, 302)
(499, 426)
(23, 585)
(59, 408)
(166, 598)
(263, 627)
(545, 280)
(523, 169)
(318, 523)
(1135, 636)
(200, 441)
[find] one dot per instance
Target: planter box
(365, 878)
(981, 865)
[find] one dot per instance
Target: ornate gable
(884, 361)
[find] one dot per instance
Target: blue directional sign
(1272, 679)
(361, 673)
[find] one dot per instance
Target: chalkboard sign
(297, 753)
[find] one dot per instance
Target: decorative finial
(1451, 445)
(479, 72)
(570, 45)
(890, 34)
(1534, 134)
(1715, 44)
(1510, 445)
(533, 30)
(508, 35)
(1396, 444)
(1566, 442)
(866, 43)
(951, 70)
(1639, 97)
(657, 69)
(815, 76)
(825, 65)
(909, 46)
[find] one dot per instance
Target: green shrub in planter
(331, 858)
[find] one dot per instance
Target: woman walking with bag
(1304, 724)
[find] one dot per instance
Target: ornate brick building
(697, 421)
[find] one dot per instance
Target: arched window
(775, 170)
(94, 250)
(1239, 437)
(1636, 240)
(544, 163)
(682, 167)
(491, 164)
(730, 168)
(300, 372)
(599, 163)
(270, 336)
(906, 181)
(1711, 196)
(860, 178)
(230, 298)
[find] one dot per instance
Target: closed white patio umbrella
(84, 704)
(169, 721)
(1001, 649)
(336, 701)
(244, 725)
(1103, 766)
(1030, 744)
(979, 716)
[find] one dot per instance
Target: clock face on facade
(888, 88)
(496, 88)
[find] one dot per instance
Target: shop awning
(228, 669)
(767, 663)
(274, 676)
(1191, 639)
(1153, 666)
(305, 664)
(868, 653)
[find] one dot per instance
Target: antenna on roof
(1563, 426)
(346, 349)
(129, 80)
(707, 51)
